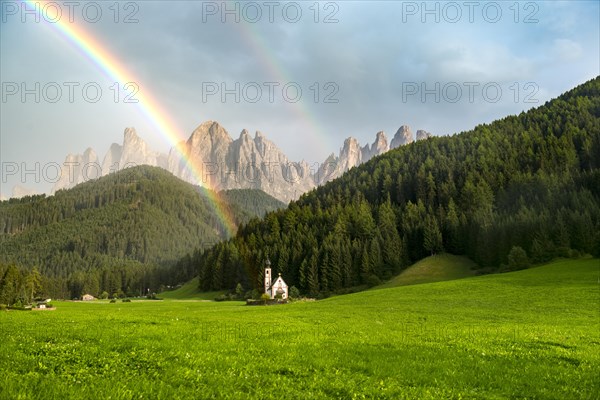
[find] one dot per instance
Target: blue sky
(440, 66)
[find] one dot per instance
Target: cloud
(567, 50)
(369, 53)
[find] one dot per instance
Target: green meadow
(441, 267)
(528, 334)
(190, 291)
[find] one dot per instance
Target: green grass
(189, 291)
(529, 334)
(441, 267)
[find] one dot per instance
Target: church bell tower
(268, 276)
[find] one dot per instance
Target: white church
(279, 287)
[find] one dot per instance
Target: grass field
(189, 291)
(438, 268)
(528, 334)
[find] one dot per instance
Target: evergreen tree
(432, 236)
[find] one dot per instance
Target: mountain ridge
(224, 163)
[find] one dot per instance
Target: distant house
(42, 303)
(87, 297)
(278, 289)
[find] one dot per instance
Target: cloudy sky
(305, 74)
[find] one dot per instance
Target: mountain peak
(381, 144)
(350, 142)
(89, 151)
(262, 164)
(403, 136)
(209, 131)
(422, 135)
(244, 134)
(130, 134)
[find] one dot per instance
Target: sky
(305, 74)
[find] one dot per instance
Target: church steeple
(268, 276)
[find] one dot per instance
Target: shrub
(265, 297)
(126, 300)
(574, 253)
(373, 280)
(239, 291)
(294, 292)
(104, 295)
(517, 259)
(113, 300)
(221, 297)
(3, 306)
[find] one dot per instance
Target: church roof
(279, 279)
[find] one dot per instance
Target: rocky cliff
(212, 158)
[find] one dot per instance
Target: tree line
(526, 185)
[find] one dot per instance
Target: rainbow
(110, 65)
(255, 41)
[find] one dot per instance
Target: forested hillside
(118, 233)
(249, 203)
(528, 185)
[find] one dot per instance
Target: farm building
(277, 289)
(87, 297)
(42, 303)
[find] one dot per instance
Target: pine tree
(365, 265)
(453, 239)
(312, 277)
(432, 236)
(33, 283)
(10, 285)
(375, 258)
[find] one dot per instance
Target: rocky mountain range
(212, 158)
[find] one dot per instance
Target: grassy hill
(527, 334)
(441, 267)
(189, 291)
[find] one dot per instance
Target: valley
(525, 334)
(226, 200)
